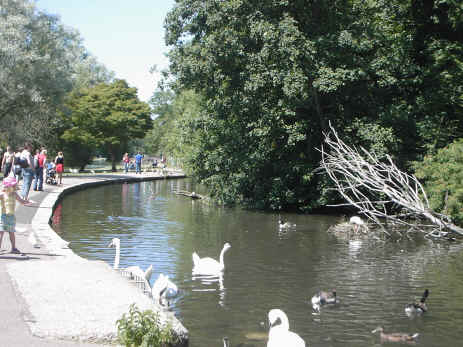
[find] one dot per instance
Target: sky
(126, 36)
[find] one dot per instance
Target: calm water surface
(265, 269)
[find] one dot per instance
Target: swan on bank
(209, 266)
(279, 335)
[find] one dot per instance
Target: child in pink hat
(8, 199)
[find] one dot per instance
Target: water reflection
(266, 269)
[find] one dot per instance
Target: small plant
(143, 328)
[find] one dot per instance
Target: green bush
(143, 328)
(442, 174)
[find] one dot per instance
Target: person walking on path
(59, 165)
(27, 169)
(126, 160)
(41, 161)
(8, 199)
(138, 159)
(7, 161)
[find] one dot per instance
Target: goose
(209, 266)
(417, 308)
(135, 271)
(280, 335)
(357, 221)
(395, 337)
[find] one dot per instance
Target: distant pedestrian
(59, 163)
(7, 161)
(138, 160)
(27, 169)
(8, 198)
(126, 160)
(39, 168)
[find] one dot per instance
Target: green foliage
(442, 174)
(143, 328)
(273, 74)
(41, 61)
(106, 116)
(175, 129)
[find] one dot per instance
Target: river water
(266, 269)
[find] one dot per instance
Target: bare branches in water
(375, 187)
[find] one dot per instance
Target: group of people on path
(136, 162)
(129, 162)
(32, 169)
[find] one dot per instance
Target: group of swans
(163, 288)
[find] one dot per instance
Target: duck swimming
(324, 298)
(395, 337)
(417, 308)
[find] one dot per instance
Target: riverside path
(52, 297)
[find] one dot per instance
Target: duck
(417, 308)
(285, 225)
(209, 266)
(357, 221)
(280, 335)
(324, 298)
(395, 337)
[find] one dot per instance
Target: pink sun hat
(9, 181)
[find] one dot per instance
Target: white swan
(163, 288)
(279, 335)
(285, 225)
(135, 271)
(357, 221)
(209, 266)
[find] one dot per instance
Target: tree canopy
(41, 61)
(107, 115)
(273, 74)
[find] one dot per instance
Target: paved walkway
(52, 297)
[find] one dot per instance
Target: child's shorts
(8, 223)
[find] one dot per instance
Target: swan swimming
(285, 225)
(163, 288)
(279, 335)
(133, 270)
(357, 221)
(209, 266)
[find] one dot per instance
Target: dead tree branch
(372, 185)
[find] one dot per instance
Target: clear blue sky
(126, 36)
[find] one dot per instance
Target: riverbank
(51, 296)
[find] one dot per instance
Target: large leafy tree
(274, 73)
(174, 133)
(41, 61)
(106, 116)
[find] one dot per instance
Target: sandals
(15, 251)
